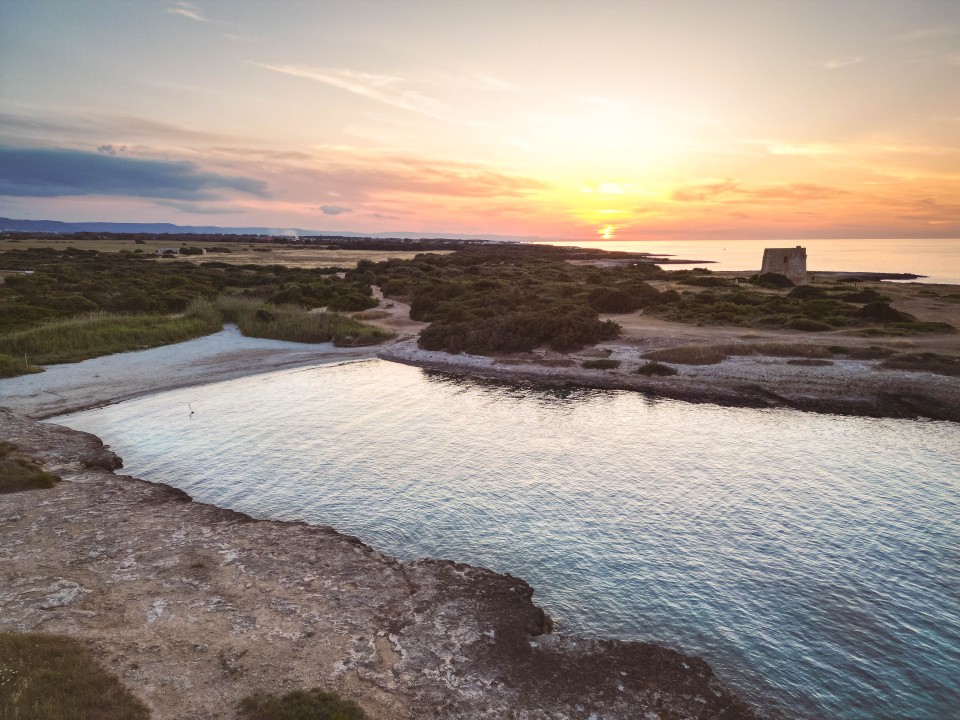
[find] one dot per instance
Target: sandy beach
(225, 355)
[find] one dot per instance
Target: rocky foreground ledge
(195, 607)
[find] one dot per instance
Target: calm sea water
(938, 259)
(812, 560)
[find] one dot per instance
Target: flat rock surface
(195, 607)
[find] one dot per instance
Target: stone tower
(791, 262)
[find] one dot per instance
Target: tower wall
(791, 262)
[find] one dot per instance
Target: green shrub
(807, 292)
(50, 677)
(655, 368)
(883, 312)
(807, 325)
(601, 364)
(925, 362)
(773, 280)
(13, 366)
(312, 704)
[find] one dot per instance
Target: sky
(581, 120)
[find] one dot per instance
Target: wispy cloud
(333, 209)
(841, 62)
(732, 191)
(491, 82)
(929, 33)
(704, 190)
(188, 10)
(387, 89)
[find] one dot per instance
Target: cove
(810, 559)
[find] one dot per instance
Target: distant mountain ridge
(56, 226)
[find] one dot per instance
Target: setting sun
(606, 232)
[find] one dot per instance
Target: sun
(606, 232)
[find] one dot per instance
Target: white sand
(100, 381)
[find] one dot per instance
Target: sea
(812, 560)
(938, 260)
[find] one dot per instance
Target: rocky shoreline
(847, 387)
(194, 607)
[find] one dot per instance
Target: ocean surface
(812, 560)
(938, 260)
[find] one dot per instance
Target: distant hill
(55, 226)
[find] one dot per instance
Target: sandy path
(104, 380)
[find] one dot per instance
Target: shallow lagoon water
(812, 560)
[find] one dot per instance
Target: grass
(18, 473)
(370, 315)
(13, 366)
(289, 322)
(688, 355)
(49, 677)
(655, 368)
(924, 362)
(713, 354)
(602, 364)
(89, 336)
(314, 704)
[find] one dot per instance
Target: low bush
(806, 324)
(19, 473)
(688, 355)
(50, 677)
(312, 704)
(924, 362)
(772, 280)
(811, 362)
(602, 364)
(883, 312)
(13, 366)
(869, 353)
(655, 368)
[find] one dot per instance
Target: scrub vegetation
(50, 677)
(502, 299)
(312, 704)
(79, 304)
(505, 299)
(808, 308)
(19, 473)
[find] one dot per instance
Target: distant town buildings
(790, 262)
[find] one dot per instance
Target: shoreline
(194, 606)
(109, 379)
(847, 387)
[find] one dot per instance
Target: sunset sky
(554, 119)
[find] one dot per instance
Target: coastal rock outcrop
(195, 606)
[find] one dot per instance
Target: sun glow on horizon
(606, 232)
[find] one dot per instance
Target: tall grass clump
(257, 318)
(55, 678)
(314, 704)
(12, 366)
(19, 473)
(98, 334)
